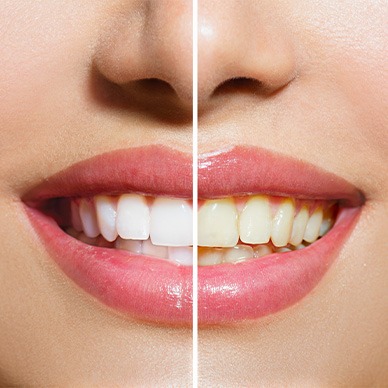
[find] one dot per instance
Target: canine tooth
(89, 219)
(238, 253)
(327, 222)
(133, 217)
(171, 222)
(181, 255)
(75, 217)
(106, 209)
(255, 221)
(210, 256)
(282, 223)
(134, 246)
(299, 226)
(217, 223)
(313, 226)
(262, 250)
(154, 250)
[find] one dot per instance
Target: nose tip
(152, 42)
(237, 43)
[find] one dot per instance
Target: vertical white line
(195, 193)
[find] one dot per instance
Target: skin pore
(315, 90)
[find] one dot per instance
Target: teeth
(171, 222)
(313, 226)
(133, 217)
(181, 255)
(162, 227)
(150, 249)
(255, 221)
(282, 223)
(299, 226)
(238, 253)
(106, 216)
(88, 218)
(217, 223)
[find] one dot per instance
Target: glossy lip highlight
(156, 290)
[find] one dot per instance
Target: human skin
(317, 90)
(60, 61)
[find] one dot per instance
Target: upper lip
(158, 170)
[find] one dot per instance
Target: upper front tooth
(313, 226)
(133, 217)
(282, 223)
(88, 217)
(171, 222)
(255, 221)
(106, 216)
(217, 223)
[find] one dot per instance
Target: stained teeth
(238, 253)
(133, 217)
(313, 225)
(106, 216)
(282, 223)
(210, 256)
(255, 221)
(171, 222)
(88, 218)
(262, 250)
(299, 226)
(217, 223)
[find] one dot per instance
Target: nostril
(153, 86)
(239, 84)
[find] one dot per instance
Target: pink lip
(156, 290)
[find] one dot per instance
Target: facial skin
(60, 64)
(317, 91)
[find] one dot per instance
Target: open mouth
(125, 234)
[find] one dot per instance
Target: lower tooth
(210, 256)
(154, 250)
(262, 250)
(181, 255)
(238, 253)
(134, 246)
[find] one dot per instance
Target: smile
(120, 226)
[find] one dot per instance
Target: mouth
(120, 226)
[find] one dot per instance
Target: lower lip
(156, 290)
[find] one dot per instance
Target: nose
(240, 41)
(149, 41)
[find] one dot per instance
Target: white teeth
(134, 246)
(238, 253)
(217, 223)
(313, 226)
(88, 218)
(282, 223)
(299, 226)
(106, 208)
(133, 217)
(181, 255)
(171, 222)
(255, 221)
(150, 249)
